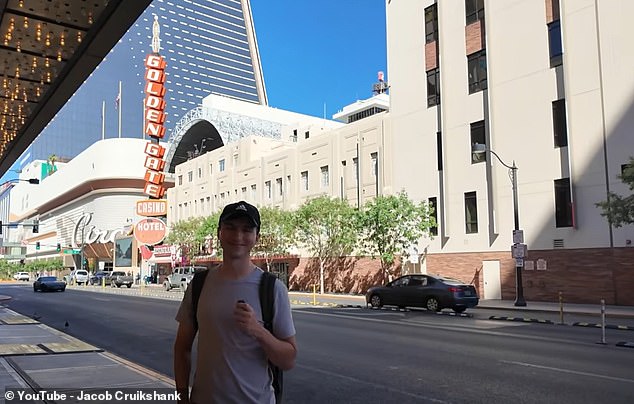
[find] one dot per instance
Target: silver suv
(181, 277)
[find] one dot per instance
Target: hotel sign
(151, 207)
(150, 231)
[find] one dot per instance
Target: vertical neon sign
(154, 117)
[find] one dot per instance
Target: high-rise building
(210, 48)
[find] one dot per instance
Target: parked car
(22, 276)
(79, 277)
(100, 277)
(431, 292)
(119, 278)
(48, 284)
(181, 277)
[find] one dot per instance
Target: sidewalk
(35, 356)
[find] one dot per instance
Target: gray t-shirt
(231, 366)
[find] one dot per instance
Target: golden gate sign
(154, 119)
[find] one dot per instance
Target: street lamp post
(478, 148)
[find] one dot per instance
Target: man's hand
(246, 320)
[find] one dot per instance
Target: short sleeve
(283, 326)
(185, 313)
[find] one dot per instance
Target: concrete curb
(521, 319)
(610, 326)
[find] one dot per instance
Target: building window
(477, 65)
(221, 165)
(559, 123)
(254, 194)
(471, 212)
(294, 135)
(211, 169)
(287, 185)
(433, 87)
(433, 211)
(304, 177)
(200, 172)
(439, 150)
(477, 136)
(244, 192)
(180, 180)
(190, 176)
(474, 10)
(306, 135)
(267, 187)
(431, 24)
(325, 177)
(375, 164)
(563, 203)
(554, 43)
(278, 185)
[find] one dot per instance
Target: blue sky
(320, 51)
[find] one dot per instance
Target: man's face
(237, 237)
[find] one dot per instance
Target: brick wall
(583, 276)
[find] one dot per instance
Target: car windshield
(82, 273)
(48, 279)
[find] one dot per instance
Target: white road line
(355, 380)
(574, 372)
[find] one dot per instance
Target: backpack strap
(197, 286)
(267, 299)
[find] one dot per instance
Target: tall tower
(210, 48)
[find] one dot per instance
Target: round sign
(150, 231)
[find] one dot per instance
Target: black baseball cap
(238, 209)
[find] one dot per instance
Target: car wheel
(34, 289)
(118, 285)
(432, 304)
(64, 288)
(459, 309)
(375, 301)
(129, 286)
(167, 286)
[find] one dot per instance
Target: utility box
(519, 250)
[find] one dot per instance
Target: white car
(22, 276)
(79, 277)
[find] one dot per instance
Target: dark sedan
(48, 283)
(100, 277)
(431, 292)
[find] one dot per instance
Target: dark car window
(415, 282)
(48, 279)
(400, 282)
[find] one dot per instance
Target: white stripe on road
(355, 380)
(574, 372)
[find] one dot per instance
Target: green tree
(391, 224)
(276, 233)
(208, 231)
(619, 210)
(327, 228)
(188, 235)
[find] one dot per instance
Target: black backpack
(267, 301)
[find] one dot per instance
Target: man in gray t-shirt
(233, 346)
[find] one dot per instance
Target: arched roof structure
(204, 129)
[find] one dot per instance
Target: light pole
(478, 148)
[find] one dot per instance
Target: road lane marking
(574, 372)
(453, 327)
(355, 380)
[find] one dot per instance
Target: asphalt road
(359, 355)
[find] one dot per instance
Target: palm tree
(51, 166)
